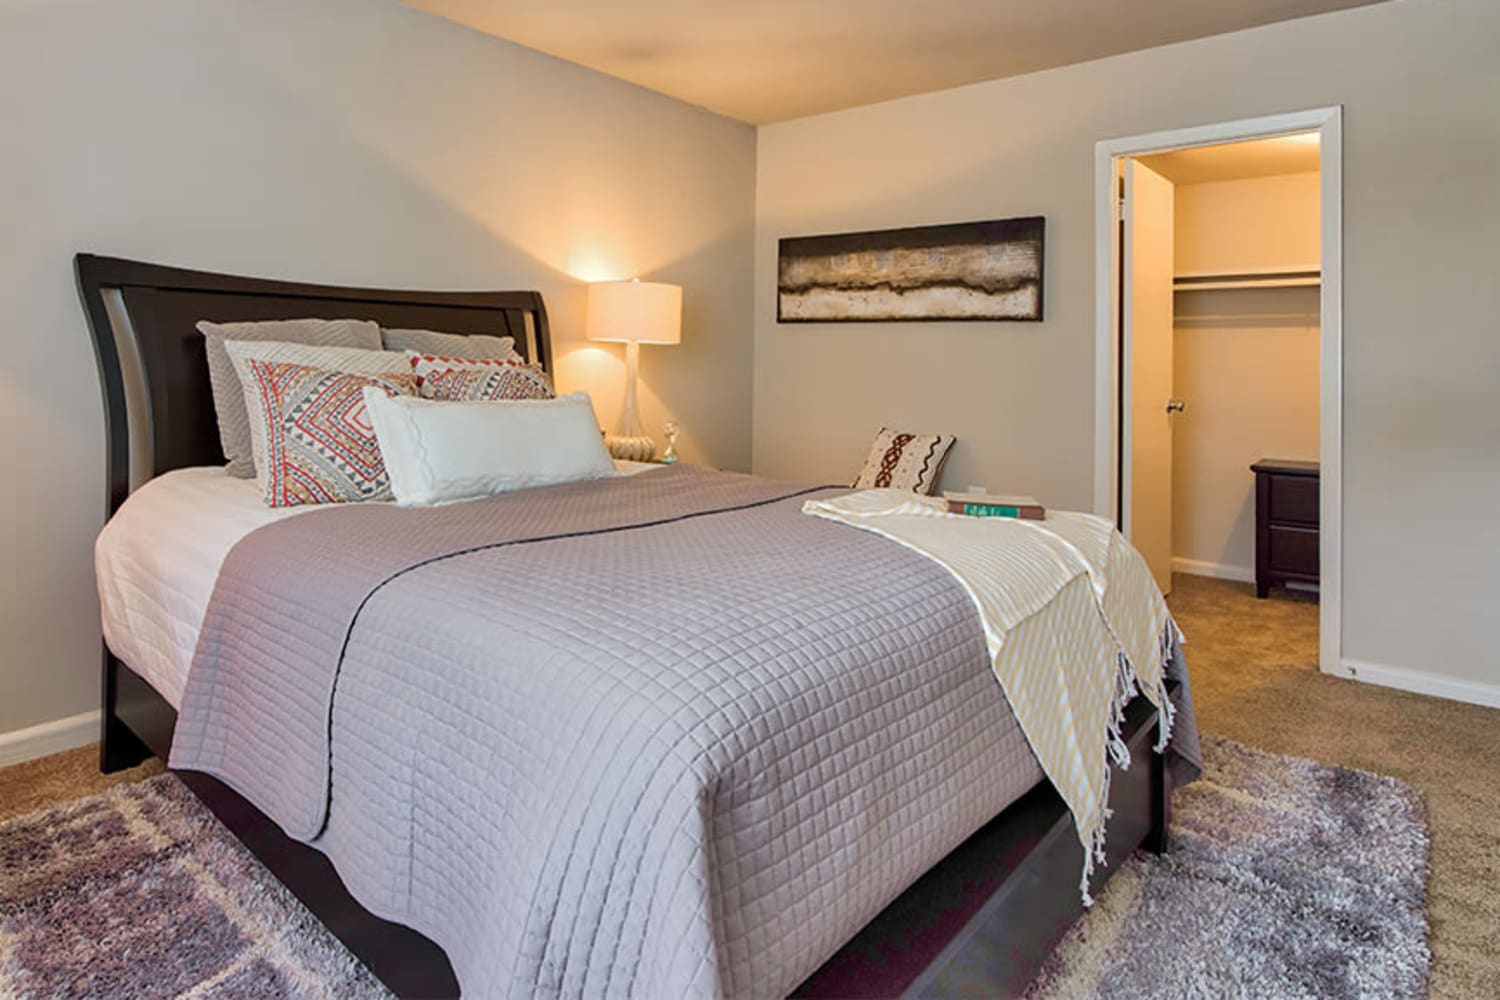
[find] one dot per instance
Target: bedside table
(1286, 523)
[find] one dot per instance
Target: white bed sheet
(158, 558)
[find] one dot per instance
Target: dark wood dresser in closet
(1286, 523)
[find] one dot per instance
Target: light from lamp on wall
(635, 313)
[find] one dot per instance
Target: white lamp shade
(646, 312)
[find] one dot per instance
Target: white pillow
(348, 360)
(444, 451)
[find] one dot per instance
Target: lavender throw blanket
(660, 735)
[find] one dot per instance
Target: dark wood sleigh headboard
(153, 367)
(159, 416)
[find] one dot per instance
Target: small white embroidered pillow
(320, 444)
(442, 452)
(440, 377)
(903, 461)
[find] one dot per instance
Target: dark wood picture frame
(980, 922)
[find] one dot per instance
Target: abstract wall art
(966, 271)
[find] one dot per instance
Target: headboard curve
(160, 306)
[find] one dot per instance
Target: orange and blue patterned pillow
(446, 378)
(320, 443)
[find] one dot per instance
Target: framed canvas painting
(965, 271)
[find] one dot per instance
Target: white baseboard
(1219, 571)
(49, 737)
(1424, 682)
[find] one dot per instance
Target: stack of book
(993, 505)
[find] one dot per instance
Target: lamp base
(630, 448)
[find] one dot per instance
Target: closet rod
(1247, 279)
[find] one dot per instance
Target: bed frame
(979, 923)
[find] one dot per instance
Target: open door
(1146, 342)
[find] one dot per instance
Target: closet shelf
(1214, 280)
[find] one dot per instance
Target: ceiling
(1234, 161)
(764, 61)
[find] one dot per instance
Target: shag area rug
(1286, 878)
(140, 892)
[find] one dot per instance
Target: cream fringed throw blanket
(1067, 687)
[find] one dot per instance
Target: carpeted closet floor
(1255, 678)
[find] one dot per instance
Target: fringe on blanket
(1126, 690)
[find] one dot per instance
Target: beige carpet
(1254, 669)
(37, 784)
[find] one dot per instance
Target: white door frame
(1328, 122)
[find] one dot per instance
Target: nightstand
(1286, 523)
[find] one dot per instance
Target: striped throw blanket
(1068, 687)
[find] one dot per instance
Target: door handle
(1176, 406)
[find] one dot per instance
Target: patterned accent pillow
(350, 360)
(904, 461)
(440, 377)
(229, 398)
(320, 444)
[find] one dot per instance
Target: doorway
(1282, 278)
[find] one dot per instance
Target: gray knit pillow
(229, 397)
(480, 346)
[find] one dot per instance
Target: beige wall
(1245, 360)
(347, 141)
(1417, 79)
(1246, 363)
(1255, 224)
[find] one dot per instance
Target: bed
(968, 908)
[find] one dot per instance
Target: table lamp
(635, 312)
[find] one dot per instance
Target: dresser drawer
(1294, 499)
(1292, 550)
(1286, 523)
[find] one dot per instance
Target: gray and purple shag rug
(140, 892)
(1286, 878)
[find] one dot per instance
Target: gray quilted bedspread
(658, 736)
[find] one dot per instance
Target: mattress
(158, 558)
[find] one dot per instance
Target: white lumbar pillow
(440, 451)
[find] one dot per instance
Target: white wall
(1418, 80)
(1245, 360)
(344, 141)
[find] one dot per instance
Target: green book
(990, 510)
(979, 507)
